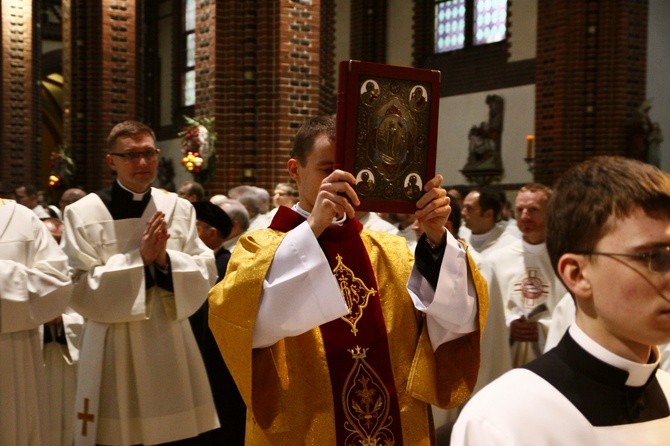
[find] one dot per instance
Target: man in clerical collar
(140, 271)
(480, 214)
(608, 238)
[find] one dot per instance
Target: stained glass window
(490, 21)
(464, 23)
(449, 25)
(189, 60)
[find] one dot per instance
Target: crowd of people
(132, 315)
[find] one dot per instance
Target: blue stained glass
(490, 21)
(449, 25)
(189, 88)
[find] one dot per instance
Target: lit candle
(530, 139)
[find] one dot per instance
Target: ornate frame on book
(387, 132)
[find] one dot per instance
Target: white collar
(301, 211)
(638, 374)
(136, 196)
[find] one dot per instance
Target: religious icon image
(392, 139)
(418, 97)
(365, 182)
(369, 92)
(413, 186)
(387, 131)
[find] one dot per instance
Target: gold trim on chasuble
(365, 399)
(366, 405)
(355, 292)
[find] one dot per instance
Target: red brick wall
(590, 80)
(258, 72)
(102, 86)
(19, 141)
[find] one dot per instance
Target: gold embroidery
(355, 293)
(366, 405)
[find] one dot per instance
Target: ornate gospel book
(387, 132)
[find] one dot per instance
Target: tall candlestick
(530, 139)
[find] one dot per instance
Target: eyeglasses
(658, 259)
(135, 156)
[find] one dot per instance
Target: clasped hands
(337, 197)
(153, 246)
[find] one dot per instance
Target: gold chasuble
(366, 378)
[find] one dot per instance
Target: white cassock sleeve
(300, 291)
(34, 282)
(451, 308)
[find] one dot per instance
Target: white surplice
(141, 375)
(34, 288)
(60, 362)
(525, 282)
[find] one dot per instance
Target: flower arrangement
(62, 167)
(198, 151)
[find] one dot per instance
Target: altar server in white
(34, 289)
(608, 237)
(139, 271)
(523, 280)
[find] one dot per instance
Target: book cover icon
(387, 132)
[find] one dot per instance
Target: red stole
(356, 345)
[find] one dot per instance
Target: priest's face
(531, 215)
(319, 163)
(134, 158)
(626, 305)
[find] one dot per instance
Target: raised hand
(336, 198)
(433, 210)
(154, 241)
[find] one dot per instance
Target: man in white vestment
(481, 213)
(523, 279)
(139, 271)
(34, 289)
(608, 237)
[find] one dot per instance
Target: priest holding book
(338, 335)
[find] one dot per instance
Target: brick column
(368, 30)
(590, 80)
(102, 86)
(19, 119)
(258, 73)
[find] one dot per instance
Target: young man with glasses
(139, 271)
(608, 238)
